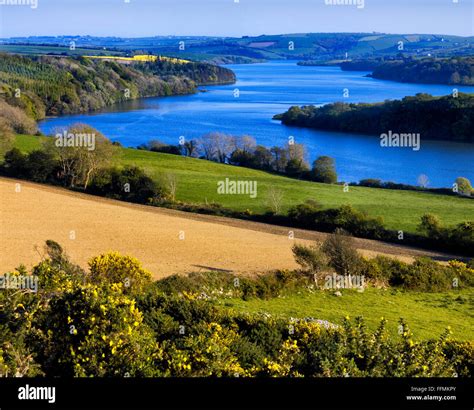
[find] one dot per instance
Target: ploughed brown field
(165, 241)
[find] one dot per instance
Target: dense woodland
(440, 118)
(200, 73)
(456, 70)
(48, 86)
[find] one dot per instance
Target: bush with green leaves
(422, 275)
(324, 170)
(343, 257)
(311, 258)
(129, 184)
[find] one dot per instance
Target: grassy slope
(427, 314)
(197, 182)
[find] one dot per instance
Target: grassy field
(37, 49)
(427, 314)
(197, 182)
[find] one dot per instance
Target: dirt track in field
(37, 213)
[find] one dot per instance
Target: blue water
(271, 88)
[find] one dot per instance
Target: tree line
(448, 118)
(454, 70)
(289, 160)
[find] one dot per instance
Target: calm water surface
(271, 88)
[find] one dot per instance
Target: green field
(40, 50)
(427, 314)
(197, 182)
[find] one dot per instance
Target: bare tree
(190, 148)
(216, 146)
(245, 143)
(172, 185)
(423, 181)
(208, 147)
(296, 152)
(275, 199)
(81, 155)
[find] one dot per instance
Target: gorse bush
(113, 268)
(90, 324)
(95, 331)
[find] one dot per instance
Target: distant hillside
(48, 86)
(440, 118)
(301, 46)
(429, 71)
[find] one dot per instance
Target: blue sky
(139, 18)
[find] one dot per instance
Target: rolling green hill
(197, 182)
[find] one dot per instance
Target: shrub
(15, 163)
(6, 136)
(430, 225)
(311, 259)
(37, 166)
(351, 350)
(128, 184)
(113, 268)
(305, 214)
(424, 274)
(324, 170)
(96, 331)
(341, 252)
(464, 186)
(41, 166)
(207, 353)
(461, 355)
(16, 119)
